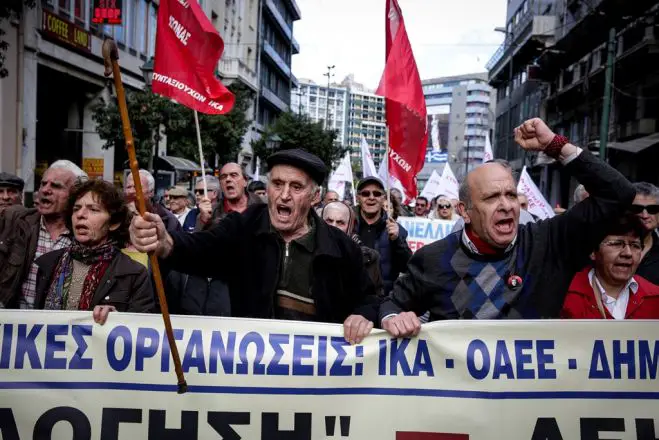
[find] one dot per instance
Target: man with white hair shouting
(279, 259)
(26, 234)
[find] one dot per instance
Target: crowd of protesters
(281, 251)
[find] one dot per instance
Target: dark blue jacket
(394, 255)
(191, 220)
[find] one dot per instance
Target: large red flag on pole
(404, 103)
(188, 49)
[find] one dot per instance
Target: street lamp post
(329, 76)
(272, 142)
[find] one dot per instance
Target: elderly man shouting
(495, 268)
(280, 260)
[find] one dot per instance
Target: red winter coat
(580, 300)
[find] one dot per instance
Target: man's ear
(115, 226)
(463, 212)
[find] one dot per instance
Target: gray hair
(580, 194)
(646, 189)
(63, 164)
(150, 181)
(465, 193)
(212, 182)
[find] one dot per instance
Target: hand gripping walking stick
(111, 60)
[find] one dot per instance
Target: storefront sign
(57, 28)
(106, 12)
(93, 167)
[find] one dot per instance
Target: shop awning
(636, 145)
(180, 163)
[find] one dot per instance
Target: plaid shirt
(44, 245)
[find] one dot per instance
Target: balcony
(236, 69)
(276, 59)
(477, 120)
(296, 46)
(485, 99)
(532, 32)
(271, 8)
(273, 99)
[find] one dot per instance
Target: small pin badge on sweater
(514, 281)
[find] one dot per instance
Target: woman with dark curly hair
(92, 273)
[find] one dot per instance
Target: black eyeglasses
(367, 193)
(443, 206)
(619, 245)
(651, 209)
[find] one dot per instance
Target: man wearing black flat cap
(280, 260)
(11, 190)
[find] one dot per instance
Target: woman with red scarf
(92, 273)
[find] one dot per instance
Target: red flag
(188, 49)
(404, 103)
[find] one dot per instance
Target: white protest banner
(449, 184)
(432, 187)
(422, 231)
(538, 205)
(488, 154)
(368, 167)
(342, 174)
(393, 182)
(65, 377)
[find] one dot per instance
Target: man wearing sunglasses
(380, 232)
(496, 269)
(610, 289)
(646, 209)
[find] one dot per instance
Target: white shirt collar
(181, 217)
(472, 247)
(632, 284)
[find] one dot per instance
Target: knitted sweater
(452, 282)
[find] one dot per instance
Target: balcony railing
(272, 8)
(275, 100)
(278, 60)
(236, 68)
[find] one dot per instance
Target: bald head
(233, 181)
(489, 204)
(339, 215)
(331, 196)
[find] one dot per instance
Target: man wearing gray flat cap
(280, 260)
(11, 190)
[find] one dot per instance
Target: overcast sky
(449, 37)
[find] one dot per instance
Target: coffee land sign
(57, 28)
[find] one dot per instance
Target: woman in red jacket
(609, 289)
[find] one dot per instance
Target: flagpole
(111, 61)
(386, 164)
(201, 154)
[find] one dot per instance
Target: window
(65, 8)
(140, 26)
(131, 24)
(153, 18)
(79, 12)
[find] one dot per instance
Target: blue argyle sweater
(451, 281)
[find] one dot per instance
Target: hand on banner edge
(356, 328)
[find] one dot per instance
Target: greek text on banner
(257, 379)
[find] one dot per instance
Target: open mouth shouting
(505, 226)
(284, 213)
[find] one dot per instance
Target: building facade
(238, 24)
(574, 74)
(277, 47)
(366, 118)
(55, 80)
(460, 110)
(530, 28)
(322, 104)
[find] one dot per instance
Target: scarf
(98, 259)
(482, 246)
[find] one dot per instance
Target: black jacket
(193, 295)
(125, 285)
(243, 251)
(451, 282)
(649, 267)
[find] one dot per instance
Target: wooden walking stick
(111, 60)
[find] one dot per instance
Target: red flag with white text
(404, 103)
(188, 49)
